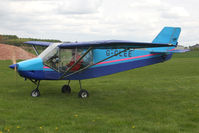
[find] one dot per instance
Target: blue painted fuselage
(35, 69)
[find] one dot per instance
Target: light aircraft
(85, 60)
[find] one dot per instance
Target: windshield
(49, 52)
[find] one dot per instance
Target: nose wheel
(36, 92)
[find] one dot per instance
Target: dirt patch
(8, 52)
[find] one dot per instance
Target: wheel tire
(66, 89)
(83, 93)
(35, 93)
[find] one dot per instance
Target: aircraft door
(71, 59)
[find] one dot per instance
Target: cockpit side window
(64, 59)
(68, 57)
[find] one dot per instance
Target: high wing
(38, 43)
(108, 44)
(113, 44)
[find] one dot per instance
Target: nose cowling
(30, 65)
(31, 68)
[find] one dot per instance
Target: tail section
(168, 35)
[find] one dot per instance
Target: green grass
(161, 98)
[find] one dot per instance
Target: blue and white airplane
(84, 60)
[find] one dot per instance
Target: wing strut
(65, 76)
(35, 49)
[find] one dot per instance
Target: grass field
(162, 98)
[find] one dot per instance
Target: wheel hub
(84, 95)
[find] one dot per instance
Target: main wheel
(35, 93)
(66, 89)
(83, 93)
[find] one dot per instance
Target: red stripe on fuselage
(126, 59)
(46, 67)
(130, 58)
(172, 49)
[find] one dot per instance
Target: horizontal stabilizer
(170, 51)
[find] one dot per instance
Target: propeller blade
(14, 60)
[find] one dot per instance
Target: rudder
(168, 35)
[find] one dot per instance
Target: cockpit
(61, 59)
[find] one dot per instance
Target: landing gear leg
(66, 88)
(82, 93)
(35, 92)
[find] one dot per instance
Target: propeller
(14, 62)
(14, 66)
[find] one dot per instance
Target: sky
(89, 20)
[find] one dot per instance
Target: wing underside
(108, 44)
(112, 44)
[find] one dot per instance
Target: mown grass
(162, 98)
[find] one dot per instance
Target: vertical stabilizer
(168, 35)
